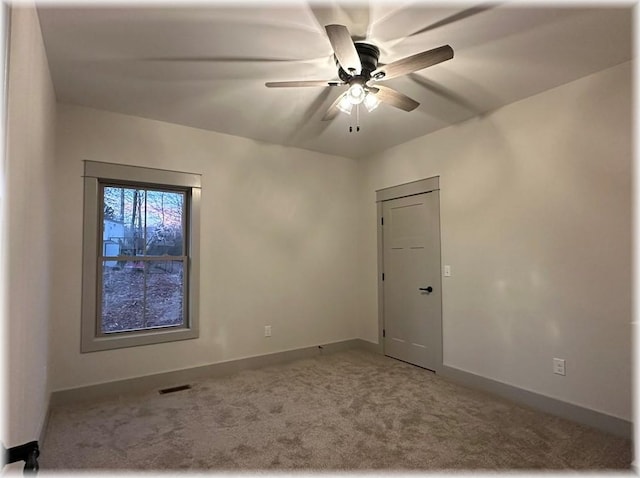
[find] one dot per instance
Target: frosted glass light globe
(356, 94)
(345, 104)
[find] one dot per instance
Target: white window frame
(95, 174)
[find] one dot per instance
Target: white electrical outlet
(558, 366)
(447, 271)
(267, 331)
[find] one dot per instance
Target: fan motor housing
(368, 54)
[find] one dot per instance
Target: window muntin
(140, 256)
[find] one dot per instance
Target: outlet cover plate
(559, 366)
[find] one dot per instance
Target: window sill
(134, 339)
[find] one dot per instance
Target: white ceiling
(181, 64)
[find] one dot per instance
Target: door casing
(395, 192)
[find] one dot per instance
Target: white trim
(576, 413)
(92, 339)
(146, 383)
(569, 411)
(408, 189)
(139, 174)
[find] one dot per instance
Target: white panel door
(412, 296)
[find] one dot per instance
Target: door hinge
(382, 221)
(383, 276)
(384, 333)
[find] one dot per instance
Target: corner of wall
(31, 114)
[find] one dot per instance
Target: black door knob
(428, 290)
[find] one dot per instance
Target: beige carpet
(346, 411)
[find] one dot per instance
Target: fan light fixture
(356, 94)
(371, 102)
(345, 105)
(368, 99)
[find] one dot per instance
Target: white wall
(30, 142)
(278, 244)
(536, 224)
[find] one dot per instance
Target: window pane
(133, 217)
(123, 227)
(122, 296)
(165, 293)
(112, 223)
(165, 223)
(113, 206)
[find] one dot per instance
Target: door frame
(412, 188)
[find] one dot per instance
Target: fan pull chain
(357, 120)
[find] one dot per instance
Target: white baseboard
(585, 416)
(177, 377)
(582, 415)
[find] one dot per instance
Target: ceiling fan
(358, 68)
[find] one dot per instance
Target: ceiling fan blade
(394, 98)
(333, 110)
(390, 25)
(300, 130)
(414, 63)
(455, 17)
(355, 15)
(288, 84)
(221, 59)
(344, 48)
(445, 93)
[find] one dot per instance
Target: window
(140, 256)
